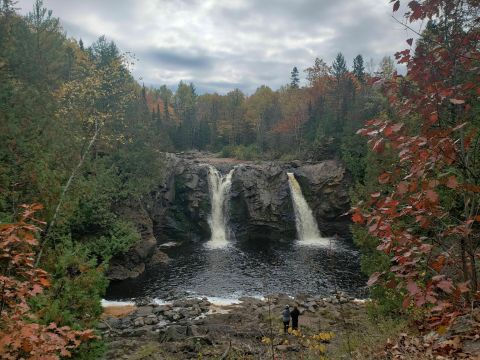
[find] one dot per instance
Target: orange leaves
(358, 218)
(384, 178)
(19, 337)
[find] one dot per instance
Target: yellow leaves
(266, 340)
(319, 347)
(324, 336)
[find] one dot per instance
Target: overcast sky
(223, 44)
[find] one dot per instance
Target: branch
(64, 192)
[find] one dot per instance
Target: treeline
(76, 135)
(313, 121)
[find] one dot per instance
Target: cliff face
(260, 205)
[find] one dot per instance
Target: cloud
(220, 45)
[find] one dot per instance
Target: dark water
(246, 269)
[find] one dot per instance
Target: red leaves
(432, 196)
(452, 182)
(373, 278)
(19, 337)
(413, 288)
(418, 204)
(445, 285)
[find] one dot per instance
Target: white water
(219, 187)
(305, 222)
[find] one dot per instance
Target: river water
(247, 269)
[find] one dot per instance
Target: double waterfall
(219, 188)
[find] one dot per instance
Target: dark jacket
(294, 314)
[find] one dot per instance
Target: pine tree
(295, 79)
(358, 68)
(80, 44)
(339, 66)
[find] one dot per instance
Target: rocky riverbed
(250, 329)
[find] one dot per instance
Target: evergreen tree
(80, 44)
(359, 68)
(339, 66)
(295, 79)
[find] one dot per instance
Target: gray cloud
(220, 45)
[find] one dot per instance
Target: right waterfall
(305, 222)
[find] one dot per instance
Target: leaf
(432, 196)
(446, 286)
(402, 188)
(439, 262)
(452, 182)
(358, 218)
(373, 278)
(379, 146)
(463, 287)
(413, 288)
(433, 118)
(396, 6)
(410, 41)
(384, 178)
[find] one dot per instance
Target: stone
(174, 333)
(151, 320)
(139, 322)
(113, 322)
(144, 310)
(102, 326)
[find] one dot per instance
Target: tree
(358, 68)
(294, 78)
(319, 70)
(386, 68)
(425, 216)
(339, 67)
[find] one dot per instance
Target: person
(295, 314)
(286, 318)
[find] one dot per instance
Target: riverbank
(250, 329)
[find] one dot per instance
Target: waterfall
(306, 224)
(219, 187)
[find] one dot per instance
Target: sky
(220, 45)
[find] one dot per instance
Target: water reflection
(246, 269)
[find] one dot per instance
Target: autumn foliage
(21, 337)
(426, 216)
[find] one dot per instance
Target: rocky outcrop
(144, 253)
(326, 185)
(260, 204)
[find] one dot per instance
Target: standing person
(295, 314)
(286, 318)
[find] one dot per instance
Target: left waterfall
(219, 187)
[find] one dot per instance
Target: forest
(81, 139)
